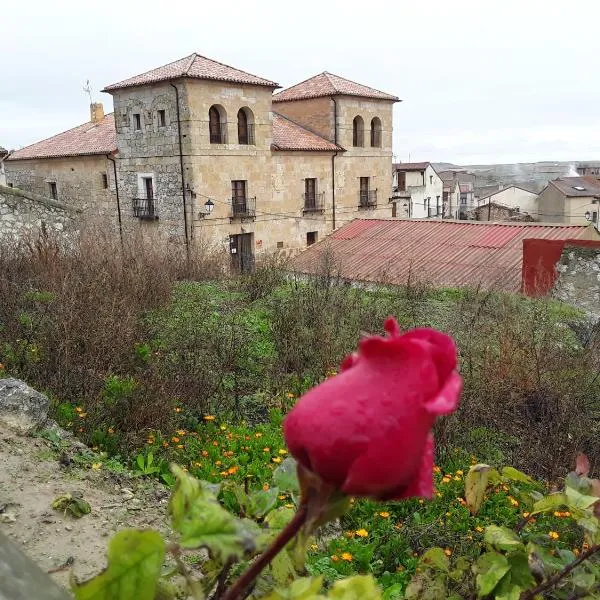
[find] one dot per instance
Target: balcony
(246, 137)
(243, 208)
(367, 199)
(219, 136)
(314, 202)
(144, 209)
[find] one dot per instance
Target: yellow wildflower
(282, 496)
(335, 557)
(180, 446)
(553, 535)
(448, 552)
(181, 432)
(197, 464)
(78, 409)
(526, 514)
(175, 439)
(436, 469)
(165, 444)
(224, 473)
(209, 417)
(82, 415)
(314, 547)
(267, 449)
(282, 452)
(362, 533)
(218, 463)
(96, 466)
(384, 514)
(277, 459)
(460, 472)
(457, 478)
(177, 409)
(111, 430)
(233, 470)
(349, 534)
(478, 529)
(258, 434)
(513, 501)
(266, 487)
(290, 395)
(204, 453)
(223, 427)
(446, 479)
(289, 506)
(347, 556)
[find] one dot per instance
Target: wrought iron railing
(246, 137)
(243, 207)
(367, 198)
(314, 202)
(219, 136)
(145, 208)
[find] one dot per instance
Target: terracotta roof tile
(194, 66)
(568, 185)
(443, 253)
(288, 135)
(87, 139)
(328, 84)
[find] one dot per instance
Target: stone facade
(79, 182)
(275, 179)
(578, 281)
(25, 213)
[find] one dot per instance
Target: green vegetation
(153, 365)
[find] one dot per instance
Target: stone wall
(25, 213)
(316, 114)
(578, 281)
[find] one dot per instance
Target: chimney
(96, 112)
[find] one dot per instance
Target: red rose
(367, 431)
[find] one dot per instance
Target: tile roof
(443, 253)
(87, 139)
(328, 84)
(508, 187)
(567, 185)
(288, 135)
(418, 166)
(193, 66)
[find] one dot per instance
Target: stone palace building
(200, 150)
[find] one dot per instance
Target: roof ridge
(306, 129)
(193, 57)
(234, 68)
(299, 83)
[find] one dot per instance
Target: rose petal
(446, 400)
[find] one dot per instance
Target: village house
(417, 191)
(451, 199)
(206, 151)
(75, 167)
(494, 211)
(466, 189)
(515, 197)
(572, 200)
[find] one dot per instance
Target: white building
(417, 191)
(451, 199)
(516, 197)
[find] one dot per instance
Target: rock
(22, 409)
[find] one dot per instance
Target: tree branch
(550, 583)
(291, 529)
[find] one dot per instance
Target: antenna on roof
(87, 88)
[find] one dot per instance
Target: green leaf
(476, 483)
(359, 587)
(285, 476)
(277, 519)
(75, 505)
(491, 567)
(262, 501)
(551, 502)
(576, 499)
(135, 559)
(435, 559)
(282, 568)
(306, 588)
(201, 521)
(584, 580)
(502, 538)
(512, 474)
(425, 587)
(393, 593)
(507, 590)
(520, 573)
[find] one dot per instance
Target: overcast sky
(481, 81)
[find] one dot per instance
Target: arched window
(217, 125)
(358, 132)
(245, 126)
(376, 132)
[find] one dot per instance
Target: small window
(376, 132)
(579, 188)
(53, 190)
(311, 237)
(430, 179)
(137, 122)
(394, 209)
(10, 185)
(280, 244)
(162, 118)
(105, 181)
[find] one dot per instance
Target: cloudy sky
(481, 81)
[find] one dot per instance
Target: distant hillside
(532, 175)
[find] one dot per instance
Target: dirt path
(32, 476)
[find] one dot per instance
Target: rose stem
(254, 570)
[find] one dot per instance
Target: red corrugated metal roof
(442, 253)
